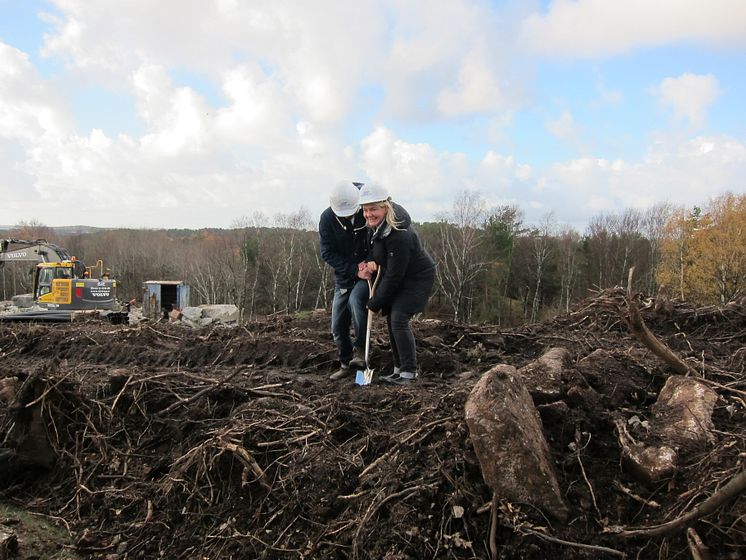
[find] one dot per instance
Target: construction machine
(61, 281)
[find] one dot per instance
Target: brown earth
(162, 441)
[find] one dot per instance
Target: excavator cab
(67, 285)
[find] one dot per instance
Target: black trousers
(402, 340)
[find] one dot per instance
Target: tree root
(583, 546)
(733, 488)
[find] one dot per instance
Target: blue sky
(212, 113)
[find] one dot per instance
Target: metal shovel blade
(364, 377)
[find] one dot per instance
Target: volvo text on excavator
(62, 282)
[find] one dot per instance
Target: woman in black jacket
(408, 273)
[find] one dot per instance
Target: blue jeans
(348, 308)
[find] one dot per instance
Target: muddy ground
(163, 441)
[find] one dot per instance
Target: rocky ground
(158, 440)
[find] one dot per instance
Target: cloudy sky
(201, 113)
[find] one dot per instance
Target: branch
(733, 488)
(582, 546)
(199, 394)
(640, 330)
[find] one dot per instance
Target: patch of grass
(38, 536)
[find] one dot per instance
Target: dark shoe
(400, 378)
(390, 375)
(341, 373)
(358, 359)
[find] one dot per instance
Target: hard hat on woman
(372, 192)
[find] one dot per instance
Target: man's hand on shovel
(363, 272)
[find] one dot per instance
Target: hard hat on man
(344, 199)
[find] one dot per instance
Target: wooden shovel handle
(371, 292)
(372, 287)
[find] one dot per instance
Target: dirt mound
(164, 441)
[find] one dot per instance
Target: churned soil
(158, 440)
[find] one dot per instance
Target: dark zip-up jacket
(343, 242)
(408, 270)
(343, 245)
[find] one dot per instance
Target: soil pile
(162, 441)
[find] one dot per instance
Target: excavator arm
(39, 250)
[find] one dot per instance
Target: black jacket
(343, 242)
(408, 270)
(343, 245)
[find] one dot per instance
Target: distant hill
(77, 230)
(64, 230)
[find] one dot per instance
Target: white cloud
(426, 180)
(495, 169)
(612, 97)
(682, 172)
(478, 90)
(309, 51)
(445, 59)
(188, 170)
(597, 28)
(689, 96)
(564, 127)
(607, 96)
(410, 171)
(29, 108)
(315, 57)
(177, 117)
(99, 39)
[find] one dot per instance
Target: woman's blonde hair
(390, 216)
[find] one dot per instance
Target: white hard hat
(371, 192)
(343, 199)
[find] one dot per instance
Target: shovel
(366, 377)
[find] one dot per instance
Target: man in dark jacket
(343, 244)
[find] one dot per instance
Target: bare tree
(250, 242)
(322, 294)
(615, 243)
(303, 223)
(460, 235)
(568, 255)
(136, 256)
(34, 229)
(542, 252)
(654, 222)
(288, 260)
(627, 232)
(209, 269)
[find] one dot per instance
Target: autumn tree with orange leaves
(703, 253)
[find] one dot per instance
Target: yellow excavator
(62, 282)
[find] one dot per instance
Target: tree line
(492, 267)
